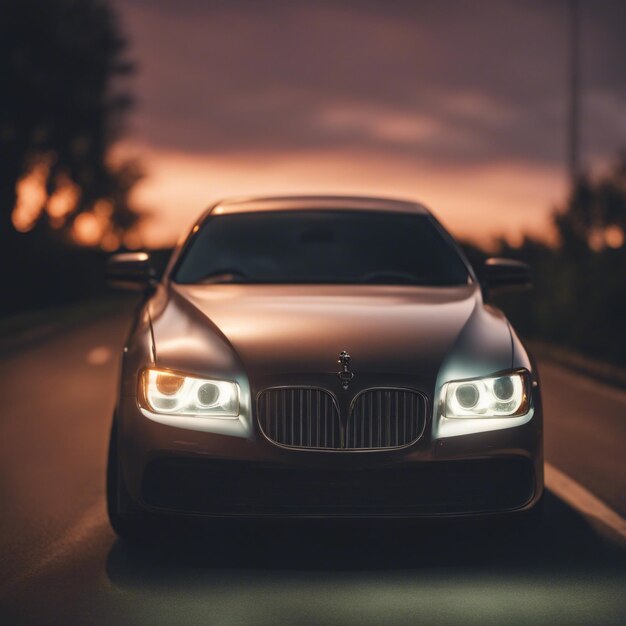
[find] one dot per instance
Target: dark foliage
(579, 297)
(62, 63)
(74, 274)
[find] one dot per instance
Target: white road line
(574, 494)
(561, 485)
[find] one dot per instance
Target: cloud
(459, 102)
(479, 202)
(219, 76)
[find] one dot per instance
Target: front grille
(385, 418)
(303, 417)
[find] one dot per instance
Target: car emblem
(345, 375)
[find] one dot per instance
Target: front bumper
(197, 486)
(238, 472)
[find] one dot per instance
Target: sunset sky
(460, 104)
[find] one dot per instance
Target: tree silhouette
(595, 213)
(579, 298)
(62, 64)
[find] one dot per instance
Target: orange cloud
(479, 202)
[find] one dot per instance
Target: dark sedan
(322, 356)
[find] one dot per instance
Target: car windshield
(340, 247)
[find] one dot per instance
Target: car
(324, 357)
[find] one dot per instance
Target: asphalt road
(61, 564)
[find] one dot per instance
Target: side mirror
(500, 275)
(130, 270)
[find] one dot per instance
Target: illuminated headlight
(174, 394)
(497, 396)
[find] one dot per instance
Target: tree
(595, 214)
(579, 298)
(62, 63)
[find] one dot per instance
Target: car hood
(293, 334)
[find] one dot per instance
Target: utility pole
(573, 132)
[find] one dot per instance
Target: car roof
(304, 203)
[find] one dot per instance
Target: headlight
(175, 394)
(497, 396)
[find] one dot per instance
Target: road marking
(574, 494)
(561, 485)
